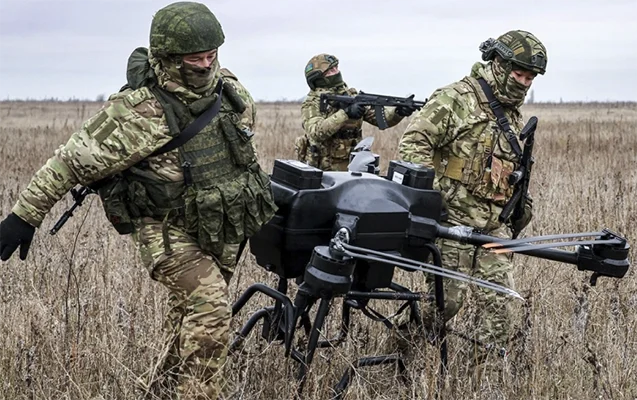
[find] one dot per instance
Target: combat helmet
(316, 68)
(520, 48)
(184, 28)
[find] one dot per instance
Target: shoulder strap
(501, 119)
(195, 127)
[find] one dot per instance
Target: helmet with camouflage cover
(521, 48)
(315, 71)
(184, 28)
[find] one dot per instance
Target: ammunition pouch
(221, 217)
(484, 181)
(239, 142)
(113, 192)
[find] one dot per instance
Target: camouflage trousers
(198, 321)
(489, 320)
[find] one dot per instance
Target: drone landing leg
(340, 388)
(268, 314)
(306, 360)
(342, 334)
(440, 323)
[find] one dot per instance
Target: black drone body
(342, 234)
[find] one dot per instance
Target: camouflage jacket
(126, 131)
(331, 136)
(456, 134)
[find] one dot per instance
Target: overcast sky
(78, 48)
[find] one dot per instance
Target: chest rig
(482, 156)
(224, 197)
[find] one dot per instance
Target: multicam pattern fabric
(197, 326)
(456, 133)
(321, 62)
(528, 51)
(125, 131)
(120, 139)
(331, 136)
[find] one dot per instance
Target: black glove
(405, 111)
(15, 232)
(525, 219)
(355, 110)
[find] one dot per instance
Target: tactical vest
(225, 196)
(484, 173)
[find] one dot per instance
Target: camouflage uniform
(331, 136)
(190, 208)
(456, 134)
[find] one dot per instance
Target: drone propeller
(360, 161)
(378, 256)
(363, 156)
(509, 243)
(365, 144)
(517, 249)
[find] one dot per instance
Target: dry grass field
(81, 319)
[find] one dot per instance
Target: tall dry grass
(80, 319)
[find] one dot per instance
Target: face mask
(199, 79)
(329, 81)
(515, 90)
(195, 78)
(510, 90)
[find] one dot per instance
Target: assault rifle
(378, 101)
(514, 209)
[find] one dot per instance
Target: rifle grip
(509, 207)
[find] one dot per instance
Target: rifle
(78, 196)
(514, 208)
(378, 101)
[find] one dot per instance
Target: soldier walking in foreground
(467, 133)
(331, 136)
(172, 158)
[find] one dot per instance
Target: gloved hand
(521, 223)
(405, 111)
(15, 232)
(355, 110)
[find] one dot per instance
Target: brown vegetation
(80, 319)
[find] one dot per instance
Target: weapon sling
(501, 119)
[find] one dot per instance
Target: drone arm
(603, 259)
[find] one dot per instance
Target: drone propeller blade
(374, 255)
(553, 245)
(509, 243)
(360, 161)
(365, 144)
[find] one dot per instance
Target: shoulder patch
(101, 126)
(225, 72)
(461, 87)
(138, 96)
(120, 94)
